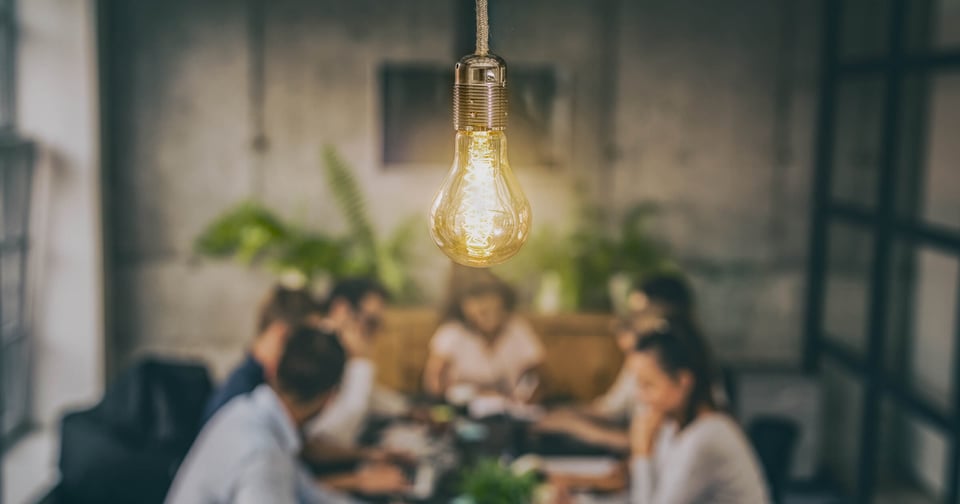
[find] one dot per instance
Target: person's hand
(354, 340)
(563, 422)
(559, 491)
(612, 482)
(386, 455)
(381, 479)
(643, 431)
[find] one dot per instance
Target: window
(884, 304)
(16, 167)
(417, 103)
(8, 39)
(15, 181)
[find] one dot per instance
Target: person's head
(667, 295)
(673, 368)
(481, 301)
(358, 301)
(654, 297)
(309, 371)
(282, 309)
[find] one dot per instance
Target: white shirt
(620, 400)
(472, 360)
(708, 462)
(247, 454)
(342, 419)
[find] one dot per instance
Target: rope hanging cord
(483, 28)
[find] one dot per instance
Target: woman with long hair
(684, 450)
(481, 342)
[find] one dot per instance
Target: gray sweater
(709, 462)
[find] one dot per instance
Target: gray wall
(702, 108)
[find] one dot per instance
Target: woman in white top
(481, 342)
(684, 450)
(603, 421)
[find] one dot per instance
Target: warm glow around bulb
(480, 216)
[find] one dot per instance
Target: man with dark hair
(354, 292)
(248, 452)
(282, 309)
(353, 313)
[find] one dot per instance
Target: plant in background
(489, 482)
(384, 259)
(547, 268)
(253, 235)
(580, 267)
(602, 253)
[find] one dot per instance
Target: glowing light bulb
(480, 216)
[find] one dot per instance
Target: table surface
(505, 438)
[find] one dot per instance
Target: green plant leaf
(245, 232)
(489, 482)
(349, 197)
(310, 254)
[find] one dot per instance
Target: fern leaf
(350, 199)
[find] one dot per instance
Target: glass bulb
(480, 216)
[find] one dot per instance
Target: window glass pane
(940, 176)
(912, 457)
(934, 25)
(15, 384)
(948, 24)
(11, 282)
(848, 284)
(864, 28)
(6, 70)
(856, 155)
(14, 190)
(843, 412)
(924, 324)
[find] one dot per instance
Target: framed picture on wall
(417, 111)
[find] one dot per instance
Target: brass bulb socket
(480, 93)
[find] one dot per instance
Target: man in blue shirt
(284, 308)
(359, 302)
(248, 452)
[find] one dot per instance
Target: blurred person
(604, 421)
(354, 310)
(248, 452)
(659, 296)
(684, 450)
(481, 343)
(331, 435)
(282, 309)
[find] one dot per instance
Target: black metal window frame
(8, 53)
(887, 228)
(16, 173)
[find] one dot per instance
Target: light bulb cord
(483, 28)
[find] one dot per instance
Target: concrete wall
(705, 109)
(714, 122)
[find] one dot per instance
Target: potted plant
(489, 482)
(254, 235)
(592, 268)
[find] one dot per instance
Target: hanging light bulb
(480, 216)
